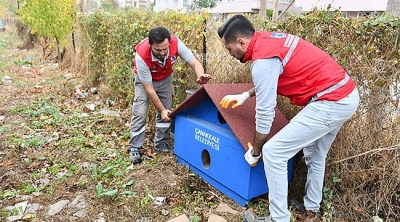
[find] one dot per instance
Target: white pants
(313, 129)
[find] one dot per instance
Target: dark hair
(237, 26)
(158, 35)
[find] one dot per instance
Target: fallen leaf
(36, 194)
(89, 144)
(29, 216)
(344, 198)
(7, 163)
(358, 209)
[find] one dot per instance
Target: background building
(354, 8)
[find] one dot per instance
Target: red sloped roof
(241, 119)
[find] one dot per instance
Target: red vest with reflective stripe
(157, 71)
(307, 69)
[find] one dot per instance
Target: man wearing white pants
(284, 64)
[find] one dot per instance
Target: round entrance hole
(205, 158)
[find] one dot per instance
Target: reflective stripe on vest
(291, 41)
(332, 88)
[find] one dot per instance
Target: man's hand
(203, 79)
(248, 156)
(237, 100)
(164, 115)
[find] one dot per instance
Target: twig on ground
(70, 79)
(395, 147)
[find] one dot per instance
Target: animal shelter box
(212, 141)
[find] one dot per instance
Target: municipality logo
(278, 35)
(173, 58)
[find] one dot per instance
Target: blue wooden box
(206, 143)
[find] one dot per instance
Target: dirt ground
(22, 163)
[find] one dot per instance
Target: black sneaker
(162, 148)
(296, 205)
(134, 156)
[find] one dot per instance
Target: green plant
(194, 218)
(49, 189)
(185, 189)
(28, 187)
(3, 128)
(14, 211)
(260, 207)
(100, 191)
(42, 113)
(65, 176)
(127, 193)
(146, 200)
(37, 175)
(178, 210)
(7, 194)
(327, 205)
(21, 63)
(54, 169)
(127, 184)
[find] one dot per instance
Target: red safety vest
(157, 71)
(307, 69)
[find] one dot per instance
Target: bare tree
(276, 10)
(263, 8)
(285, 10)
(393, 7)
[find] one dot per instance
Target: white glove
(237, 100)
(248, 156)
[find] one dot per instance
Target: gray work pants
(140, 107)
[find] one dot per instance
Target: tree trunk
(393, 7)
(263, 9)
(276, 10)
(58, 52)
(27, 37)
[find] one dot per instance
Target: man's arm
(252, 92)
(265, 73)
(156, 101)
(187, 55)
(259, 141)
(199, 70)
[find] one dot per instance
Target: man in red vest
(153, 63)
(284, 64)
